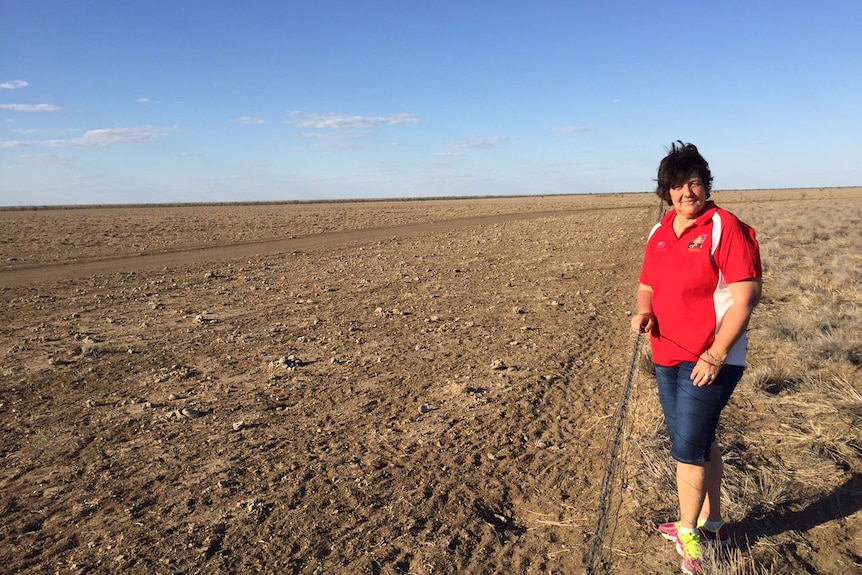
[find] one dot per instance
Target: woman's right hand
(642, 322)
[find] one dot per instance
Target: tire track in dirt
(148, 262)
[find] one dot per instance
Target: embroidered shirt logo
(697, 244)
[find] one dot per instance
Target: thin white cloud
(446, 160)
(113, 137)
(330, 147)
(327, 147)
(46, 159)
(341, 122)
(334, 136)
(144, 101)
(249, 121)
(572, 129)
(479, 143)
(14, 85)
(30, 107)
(10, 144)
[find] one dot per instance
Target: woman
(700, 281)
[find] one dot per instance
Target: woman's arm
(746, 295)
(642, 321)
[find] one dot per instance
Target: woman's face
(689, 197)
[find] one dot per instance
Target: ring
(708, 377)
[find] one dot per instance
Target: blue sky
(204, 100)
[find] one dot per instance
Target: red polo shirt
(689, 276)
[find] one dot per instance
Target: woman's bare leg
(711, 510)
(691, 489)
(699, 489)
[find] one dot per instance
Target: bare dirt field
(423, 387)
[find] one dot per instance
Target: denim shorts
(690, 412)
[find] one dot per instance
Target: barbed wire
(615, 461)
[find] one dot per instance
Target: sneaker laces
(689, 544)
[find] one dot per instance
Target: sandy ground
(392, 387)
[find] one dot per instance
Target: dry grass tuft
(773, 379)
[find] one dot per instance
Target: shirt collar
(706, 215)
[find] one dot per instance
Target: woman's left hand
(704, 373)
(745, 296)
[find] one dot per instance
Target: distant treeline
(290, 202)
(366, 200)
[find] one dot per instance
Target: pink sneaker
(718, 537)
(669, 531)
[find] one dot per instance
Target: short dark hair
(681, 161)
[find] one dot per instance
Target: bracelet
(718, 363)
